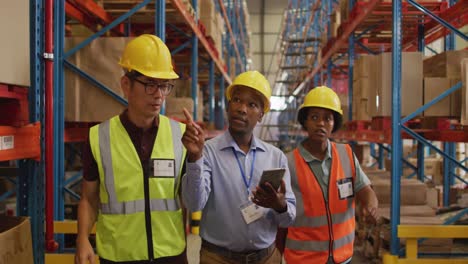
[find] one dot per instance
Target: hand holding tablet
(273, 176)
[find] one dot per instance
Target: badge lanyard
(247, 184)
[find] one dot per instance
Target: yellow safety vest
(121, 230)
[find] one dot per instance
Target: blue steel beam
(72, 193)
(30, 187)
(367, 30)
(211, 83)
(351, 58)
(339, 57)
(450, 38)
(421, 37)
(427, 143)
(432, 50)
(381, 156)
(95, 82)
(396, 126)
(438, 19)
(329, 35)
(181, 47)
(7, 194)
(456, 217)
(364, 47)
(220, 122)
(350, 74)
(160, 31)
(59, 118)
(178, 30)
(420, 157)
(461, 179)
(101, 32)
(449, 149)
(74, 178)
(338, 68)
(160, 19)
(432, 102)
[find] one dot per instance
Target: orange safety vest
(321, 229)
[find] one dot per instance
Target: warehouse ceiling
(265, 24)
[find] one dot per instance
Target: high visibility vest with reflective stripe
(120, 230)
(321, 226)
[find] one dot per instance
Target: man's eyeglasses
(151, 87)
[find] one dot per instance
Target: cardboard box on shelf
(450, 105)
(433, 169)
(361, 109)
(407, 210)
(413, 192)
(445, 65)
(344, 106)
(175, 105)
(361, 91)
(15, 51)
(362, 87)
(207, 9)
(376, 174)
(363, 66)
(362, 152)
(380, 99)
(433, 197)
(15, 240)
(85, 102)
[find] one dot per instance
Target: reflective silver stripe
(296, 189)
(178, 149)
(339, 218)
(132, 207)
(313, 245)
(343, 241)
(344, 159)
(307, 245)
(305, 221)
(346, 165)
(106, 160)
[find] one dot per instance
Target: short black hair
(132, 74)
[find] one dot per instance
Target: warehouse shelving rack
(369, 30)
(298, 44)
(22, 135)
(34, 116)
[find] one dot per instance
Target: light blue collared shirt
(215, 185)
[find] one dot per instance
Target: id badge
(345, 188)
(163, 168)
(251, 212)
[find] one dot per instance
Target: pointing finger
(187, 115)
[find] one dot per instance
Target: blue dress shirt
(215, 185)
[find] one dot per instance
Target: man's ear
(261, 117)
(126, 84)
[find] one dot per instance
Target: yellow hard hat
(148, 55)
(256, 81)
(322, 97)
